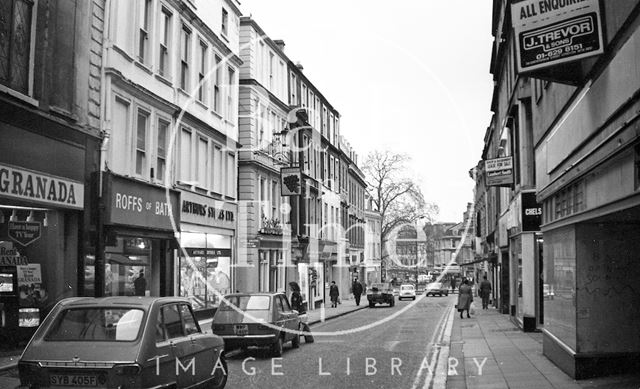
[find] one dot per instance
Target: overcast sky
(411, 76)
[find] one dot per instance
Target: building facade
(372, 239)
(50, 102)
(559, 235)
(169, 171)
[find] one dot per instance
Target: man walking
(334, 293)
(485, 292)
(356, 289)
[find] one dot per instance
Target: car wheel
(219, 379)
(414, 298)
(392, 302)
(307, 338)
(295, 342)
(276, 348)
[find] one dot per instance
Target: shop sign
(10, 256)
(134, 203)
(531, 212)
(203, 210)
(41, 188)
(207, 252)
(290, 181)
(552, 32)
(24, 233)
(499, 171)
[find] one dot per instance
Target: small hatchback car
(407, 291)
(122, 342)
(380, 293)
(258, 320)
(437, 288)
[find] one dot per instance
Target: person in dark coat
(356, 289)
(334, 293)
(453, 285)
(465, 297)
(296, 297)
(485, 292)
(140, 285)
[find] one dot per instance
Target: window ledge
(224, 36)
(123, 53)
(184, 93)
(18, 95)
(63, 113)
(144, 67)
(164, 79)
(216, 114)
(202, 104)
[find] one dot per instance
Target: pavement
(489, 351)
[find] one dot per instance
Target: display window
(204, 268)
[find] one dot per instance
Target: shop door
(504, 284)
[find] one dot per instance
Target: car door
(185, 367)
(292, 321)
(282, 319)
(200, 346)
(160, 369)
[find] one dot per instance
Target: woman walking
(465, 297)
(334, 293)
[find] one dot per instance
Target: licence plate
(73, 380)
(241, 330)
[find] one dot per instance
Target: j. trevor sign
(41, 188)
(551, 32)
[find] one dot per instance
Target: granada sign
(41, 188)
(552, 32)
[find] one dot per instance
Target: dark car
(437, 288)
(122, 342)
(246, 320)
(380, 293)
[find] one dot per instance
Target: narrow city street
(394, 350)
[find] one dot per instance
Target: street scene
(286, 194)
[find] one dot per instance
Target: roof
(114, 301)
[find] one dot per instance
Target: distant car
(437, 288)
(547, 292)
(258, 320)
(396, 291)
(122, 342)
(407, 291)
(380, 293)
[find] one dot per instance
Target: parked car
(437, 288)
(122, 342)
(380, 293)
(246, 320)
(407, 291)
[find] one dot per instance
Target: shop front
(139, 240)
(39, 217)
(206, 259)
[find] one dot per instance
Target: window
(202, 82)
(185, 42)
(230, 173)
(185, 156)
(121, 121)
(161, 164)
(165, 41)
(172, 322)
(217, 163)
(143, 47)
(293, 87)
(230, 94)
(141, 142)
(271, 59)
(216, 85)
(202, 165)
(190, 324)
(15, 44)
(274, 199)
(225, 21)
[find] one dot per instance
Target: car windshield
(90, 324)
(435, 285)
(246, 303)
(407, 287)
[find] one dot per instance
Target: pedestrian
(465, 297)
(485, 292)
(334, 293)
(453, 285)
(296, 297)
(356, 289)
(140, 284)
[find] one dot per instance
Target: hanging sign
(24, 233)
(499, 171)
(551, 32)
(291, 181)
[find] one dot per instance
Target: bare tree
(397, 197)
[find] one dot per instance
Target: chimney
(299, 66)
(280, 44)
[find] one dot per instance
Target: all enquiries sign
(551, 32)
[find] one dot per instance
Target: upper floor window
(293, 87)
(15, 44)
(165, 41)
(185, 56)
(231, 78)
(271, 66)
(161, 163)
(225, 21)
(216, 85)
(143, 38)
(141, 142)
(202, 82)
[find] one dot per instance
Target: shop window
(15, 45)
(128, 267)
